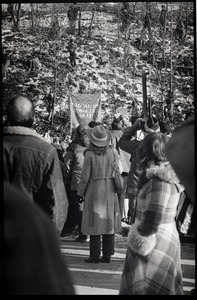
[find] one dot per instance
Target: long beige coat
(101, 213)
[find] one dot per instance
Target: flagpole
(69, 101)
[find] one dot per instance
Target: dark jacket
(32, 164)
(129, 144)
(73, 161)
(33, 263)
(124, 156)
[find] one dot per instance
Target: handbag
(118, 179)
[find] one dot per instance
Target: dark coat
(33, 264)
(101, 212)
(32, 164)
(131, 145)
(124, 156)
(73, 163)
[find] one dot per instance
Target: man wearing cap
(130, 143)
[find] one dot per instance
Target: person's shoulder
(40, 144)
(77, 148)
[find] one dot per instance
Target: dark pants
(107, 245)
(71, 222)
(73, 59)
(79, 214)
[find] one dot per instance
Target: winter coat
(124, 156)
(129, 144)
(33, 264)
(32, 164)
(152, 264)
(101, 213)
(73, 162)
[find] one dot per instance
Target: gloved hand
(137, 123)
(80, 199)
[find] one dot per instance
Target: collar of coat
(19, 130)
(163, 172)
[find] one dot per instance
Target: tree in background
(72, 14)
(14, 9)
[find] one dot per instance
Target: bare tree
(92, 18)
(14, 9)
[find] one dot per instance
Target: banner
(84, 108)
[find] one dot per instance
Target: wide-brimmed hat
(99, 136)
(150, 125)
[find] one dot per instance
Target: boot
(93, 259)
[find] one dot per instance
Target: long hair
(152, 149)
(97, 150)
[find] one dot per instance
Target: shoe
(186, 238)
(65, 234)
(78, 239)
(92, 260)
(193, 292)
(105, 259)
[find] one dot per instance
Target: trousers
(107, 245)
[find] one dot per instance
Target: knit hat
(150, 125)
(99, 136)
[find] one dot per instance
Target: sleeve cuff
(140, 244)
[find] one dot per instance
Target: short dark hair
(116, 124)
(14, 115)
(92, 124)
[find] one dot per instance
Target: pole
(144, 94)
(79, 24)
(149, 106)
(69, 103)
(54, 97)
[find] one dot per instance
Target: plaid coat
(152, 264)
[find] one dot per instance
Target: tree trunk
(90, 28)
(32, 16)
(11, 12)
(18, 14)
(79, 24)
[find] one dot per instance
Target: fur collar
(19, 130)
(162, 172)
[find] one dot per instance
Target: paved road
(104, 279)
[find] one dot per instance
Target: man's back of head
(20, 112)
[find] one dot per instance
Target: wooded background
(35, 59)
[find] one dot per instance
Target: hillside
(100, 66)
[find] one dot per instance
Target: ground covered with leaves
(101, 65)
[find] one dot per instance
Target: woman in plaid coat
(152, 264)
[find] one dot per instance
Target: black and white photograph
(98, 121)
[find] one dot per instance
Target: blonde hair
(152, 149)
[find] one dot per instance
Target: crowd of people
(48, 194)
